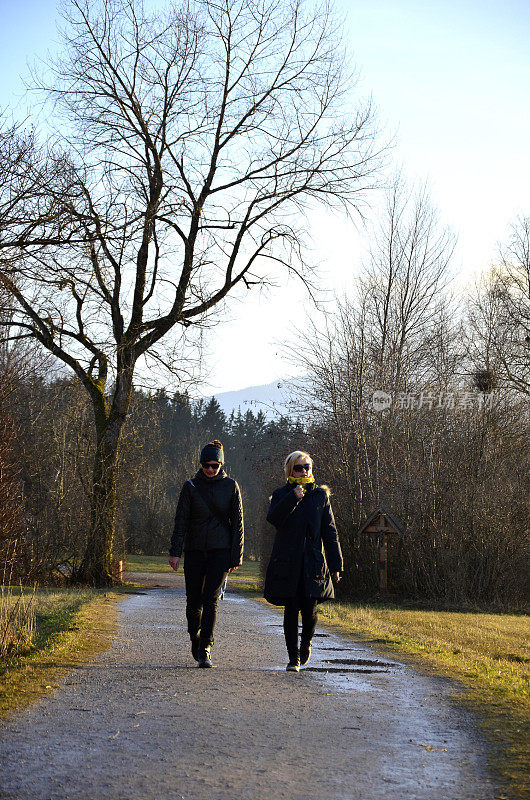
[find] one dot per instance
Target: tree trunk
(97, 565)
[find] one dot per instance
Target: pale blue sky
(451, 79)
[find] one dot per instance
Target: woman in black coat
(306, 554)
(209, 528)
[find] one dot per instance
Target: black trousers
(307, 606)
(204, 574)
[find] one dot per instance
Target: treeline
(47, 460)
(420, 402)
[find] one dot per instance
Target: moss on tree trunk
(96, 567)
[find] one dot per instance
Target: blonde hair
(292, 458)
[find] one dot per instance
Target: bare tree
(393, 334)
(498, 318)
(404, 280)
(402, 294)
(191, 142)
(512, 295)
(11, 502)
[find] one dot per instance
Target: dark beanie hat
(213, 451)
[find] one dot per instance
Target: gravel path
(141, 722)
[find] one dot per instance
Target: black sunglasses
(301, 467)
(211, 466)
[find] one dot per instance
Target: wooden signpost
(382, 523)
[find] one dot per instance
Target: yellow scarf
(303, 481)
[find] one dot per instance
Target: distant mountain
(271, 398)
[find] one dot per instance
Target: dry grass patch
(70, 627)
(17, 620)
(492, 648)
(487, 654)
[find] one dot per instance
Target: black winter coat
(197, 529)
(306, 541)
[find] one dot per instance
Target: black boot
(294, 661)
(195, 647)
(305, 651)
(205, 662)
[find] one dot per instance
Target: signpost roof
(382, 521)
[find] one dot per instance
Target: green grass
(71, 626)
(485, 654)
(247, 577)
(147, 564)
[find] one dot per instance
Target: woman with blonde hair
(305, 556)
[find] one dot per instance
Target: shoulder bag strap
(216, 514)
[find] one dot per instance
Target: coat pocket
(320, 565)
(280, 568)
